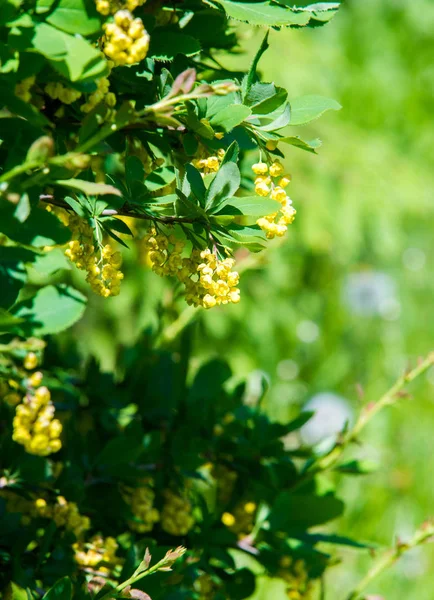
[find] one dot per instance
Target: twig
(328, 461)
(109, 212)
(390, 557)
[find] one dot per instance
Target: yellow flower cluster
(141, 501)
(126, 41)
(225, 479)
(205, 587)
(98, 554)
(176, 517)
(211, 164)
(208, 280)
(9, 392)
(296, 576)
(57, 91)
(108, 7)
(34, 424)
(277, 223)
(242, 519)
(102, 264)
(22, 89)
(64, 514)
(100, 94)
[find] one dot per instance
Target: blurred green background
(347, 298)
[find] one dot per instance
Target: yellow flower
(276, 169)
(260, 168)
(228, 519)
(30, 361)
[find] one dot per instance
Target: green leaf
(51, 310)
(264, 13)
(134, 171)
(185, 207)
(73, 57)
(270, 104)
(309, 108)
(295, 512)
(75, 16)
(230, 117)
(160, 178)
(8, 322)
(120, 450)
(251, 75)
(295, 140)
(195, 181)
(50, 262)
(43, 6)
(61, 590)
(14, 592)
(166, 45)
(41, 228)
(116, 224)
(224, 185)
(231, 154)
(275, 121)
(238, 235)
(88, 187)
(249, 205)
(13, 274)
(358, 467)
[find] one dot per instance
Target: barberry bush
(123, 134)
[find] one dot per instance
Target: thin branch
(328, 461)
(424, 534)
(111, 212)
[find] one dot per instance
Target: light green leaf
(160, 178)
(295, 140)
(309, 108)
(264, 13)
(238, 235)
(88, 187)
(249, 205)
(50, 262)
(230, 117)
(166, 45)
(43, 6)
(51, 310)
(75, 16)
(73, 57)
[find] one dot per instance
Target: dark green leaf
(61, 590)
(196, 183)
(165, 45)
(294, 512)
(231, 154)
(41, 228)
(13, 274)
(224, 185)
